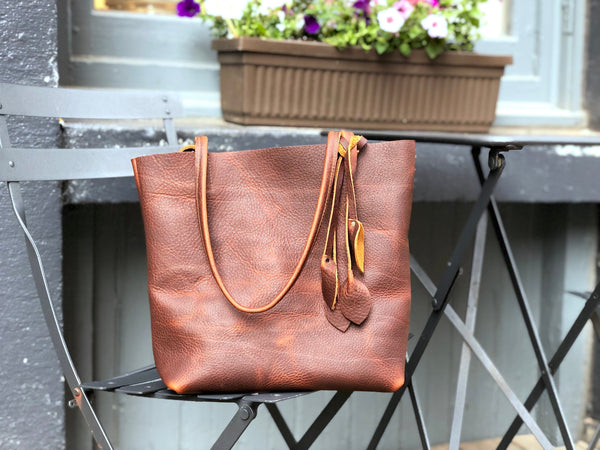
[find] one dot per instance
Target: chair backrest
(20, 164)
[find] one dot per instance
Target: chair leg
(54, 328)
(440, 295)
(245, 414)
(485, 360)
(323, 419)
(525, 311)
(418, 416)
(471, 317)
(282, 425)
(588, 310)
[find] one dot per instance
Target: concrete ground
(523, 442)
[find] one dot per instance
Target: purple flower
(187, 8)
(311, 26)
(363, 5)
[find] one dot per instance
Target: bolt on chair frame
(19, 164)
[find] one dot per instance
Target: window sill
(509, 114)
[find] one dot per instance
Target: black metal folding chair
(26, 164)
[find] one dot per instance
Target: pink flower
(436, 26)
(390, 20)
(404, 7)
(431, 2)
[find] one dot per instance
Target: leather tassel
(357, 239)
(352, 301)
(336, 318)
(355, 300)
(329, 271)
(354, 297)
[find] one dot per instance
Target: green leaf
(434, 48)
(381, 47)
(405, 49)
(414, 31)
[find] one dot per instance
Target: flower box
(307, 83)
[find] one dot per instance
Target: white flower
(267, 5)
(436, 26)
(373, 3)
(281, 25)
(227, 9)
(390, 20)
(299, 22)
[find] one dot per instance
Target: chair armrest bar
(27, 164)
(68, 103)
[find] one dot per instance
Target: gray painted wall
(31, 403)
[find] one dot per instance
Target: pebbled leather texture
(260, 208)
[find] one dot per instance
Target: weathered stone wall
(32, 392)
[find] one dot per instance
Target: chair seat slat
(142, 375)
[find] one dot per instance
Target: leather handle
(201, 162)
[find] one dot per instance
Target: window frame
(547, 41)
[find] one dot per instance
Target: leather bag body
(264, 210)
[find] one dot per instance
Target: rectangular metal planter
(304, 83)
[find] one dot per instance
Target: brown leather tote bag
(279, 268)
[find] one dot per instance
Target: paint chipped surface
(578, 151)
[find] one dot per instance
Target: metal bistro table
(476, 226)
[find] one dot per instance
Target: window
(546, 38)
(143, 44)
(141, 6)
(135, 44)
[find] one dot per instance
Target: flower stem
(232, 28)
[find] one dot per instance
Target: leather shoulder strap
(201, 162)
